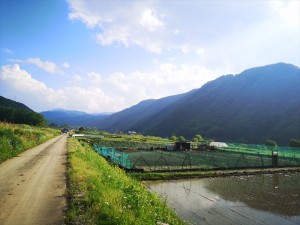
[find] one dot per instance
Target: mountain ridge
(73, 117)
(257, 104)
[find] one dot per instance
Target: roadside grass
(16, 138)
(100, 193)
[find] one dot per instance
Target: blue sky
(104, 56)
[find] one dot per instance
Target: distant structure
(182, 146)
(64, 131)
(218, 144)
(131, 132)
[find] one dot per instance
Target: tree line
(20, 116)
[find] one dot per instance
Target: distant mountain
(73, 118)
(258, 104)
(16, 112)
(139, 115)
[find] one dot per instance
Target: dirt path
(32, 185)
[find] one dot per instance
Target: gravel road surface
(33, 185)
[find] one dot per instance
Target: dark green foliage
(198, 138)
(14, 112)
(81, 129)
(270, 143)
(294, 143)
(180, 138)
(173, 138)
(10, 144)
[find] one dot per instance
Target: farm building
(182, 146)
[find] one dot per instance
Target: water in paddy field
(260, 199)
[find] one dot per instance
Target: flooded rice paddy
(260, 199)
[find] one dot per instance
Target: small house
(182, 146)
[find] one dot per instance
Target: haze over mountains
(73, 118)
(258, 104)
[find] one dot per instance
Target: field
(232, 157)
(16, 138)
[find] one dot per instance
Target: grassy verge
(210, 173)
(100, 193)
(16, 138)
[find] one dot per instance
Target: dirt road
(32, 185)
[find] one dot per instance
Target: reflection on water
(261, 199)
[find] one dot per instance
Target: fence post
(274, 159)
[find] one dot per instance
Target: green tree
(294, 142)
(198, 138)
(180, 138)
(173, 138)
(270, 143)
(81, 129)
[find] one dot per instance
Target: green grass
(100, 193)
(147, 176)
(131, 141)
(16, 138)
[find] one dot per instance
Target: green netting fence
(263, 149)
(233, 157)
(121, 144)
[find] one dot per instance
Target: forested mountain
(142, 114)
(258, 104)
(15, 112)
(73, 118)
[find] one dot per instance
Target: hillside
(73, 118)
(139, 115)
(258, 104)
(15, 112)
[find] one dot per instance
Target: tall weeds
(15, 138)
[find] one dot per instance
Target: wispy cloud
(47, 66)
(66, 65)
(7, 51)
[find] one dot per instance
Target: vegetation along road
(32, 185)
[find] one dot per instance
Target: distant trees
(21, 116)
(81, 129)
(270, 144)
(173, 138)
(179, 138)
(294, 143)
(198, 138)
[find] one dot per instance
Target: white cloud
(17, 83)
(200, 51)
(44, 65)
(289, 10)
(150, 21)
(94, 78)
(99, 94)
(190, 26)
(122, 22)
